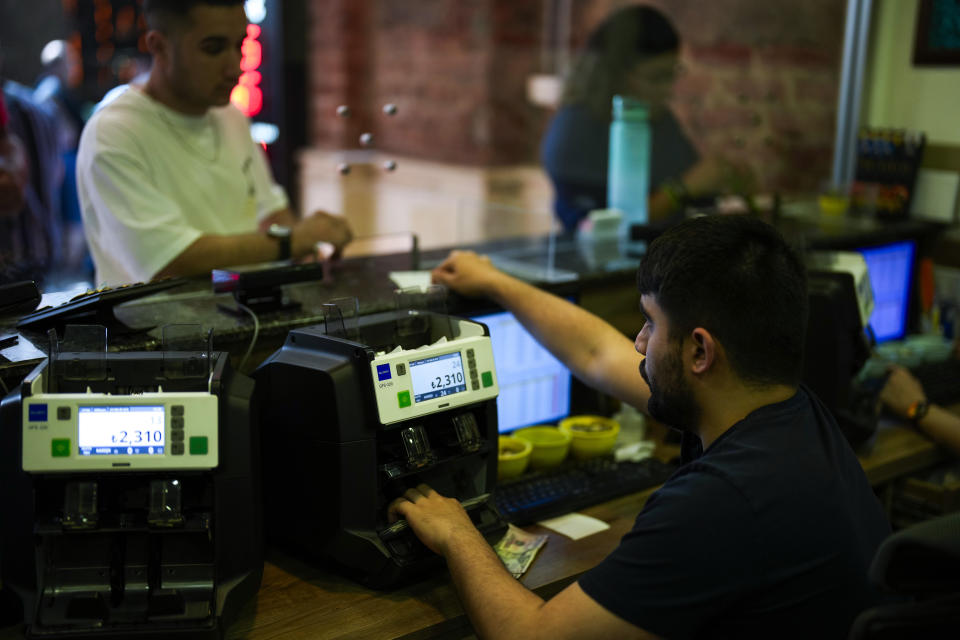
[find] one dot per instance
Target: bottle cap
(626, 108)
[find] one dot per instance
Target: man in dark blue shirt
(766, 531)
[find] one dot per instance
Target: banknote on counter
(517, 549)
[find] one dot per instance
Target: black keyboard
(546, 494)
(940, 380)
(94, 307)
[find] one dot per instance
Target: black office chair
(922, 564)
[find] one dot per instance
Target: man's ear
(157, 44)
(704, 349)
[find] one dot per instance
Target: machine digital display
(120, 430)
(437, 376)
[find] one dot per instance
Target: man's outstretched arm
(593, 349)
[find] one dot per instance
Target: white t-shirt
(151, 181)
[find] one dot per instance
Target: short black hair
(737, 277)
(163, 14)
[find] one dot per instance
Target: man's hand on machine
(436, 520)
(468, 274)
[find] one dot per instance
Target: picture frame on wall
(937, 39)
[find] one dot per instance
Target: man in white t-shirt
(170, 181)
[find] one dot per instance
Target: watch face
(279, 231)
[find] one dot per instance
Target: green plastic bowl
(592, 436)
(513, 456)
(550, 445)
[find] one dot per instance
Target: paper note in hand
(517, 549)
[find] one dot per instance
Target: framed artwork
(937, 40)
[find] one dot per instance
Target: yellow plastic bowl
(833, 204)
(513, 457)
(591, 436)
(550, 445)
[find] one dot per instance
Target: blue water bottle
(628, 173)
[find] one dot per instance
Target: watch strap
(917, 411)
(283, 236)
(284, 247)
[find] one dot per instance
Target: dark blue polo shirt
(769, 533)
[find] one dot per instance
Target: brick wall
(456, 71)
(761, 80)
(760, 86)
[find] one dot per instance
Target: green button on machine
(403, 399)
(60, 447)
(487, 378)
(198, 445)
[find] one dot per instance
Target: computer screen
(534, 386)
(891, 275)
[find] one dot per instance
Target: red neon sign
(247, 95)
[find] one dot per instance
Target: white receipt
(575, 525)
(411, 279)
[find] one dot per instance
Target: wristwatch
(917, 411)
(282, 235)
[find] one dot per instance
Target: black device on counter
(18, 298)
(94, 307)
(352, 422)
(836, 348)
(259, 286)
(130, 495)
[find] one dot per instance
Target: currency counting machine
(130, 495)
(353, 418)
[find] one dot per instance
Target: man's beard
(671, 398)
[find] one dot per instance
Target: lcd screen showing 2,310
(120, 430)
(437, 376)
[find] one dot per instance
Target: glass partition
(464, 122)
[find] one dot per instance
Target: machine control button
(176, 435)
(475, 386)
(401, 369)
(176, 448)
(198, 445)
(177, 423)
(60, 447)
(403, 399)
(63, 413)
(176, 410)
(487, 378)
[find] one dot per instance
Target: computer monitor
(891, 269)
(534, 386)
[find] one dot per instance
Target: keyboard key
(538, 496)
